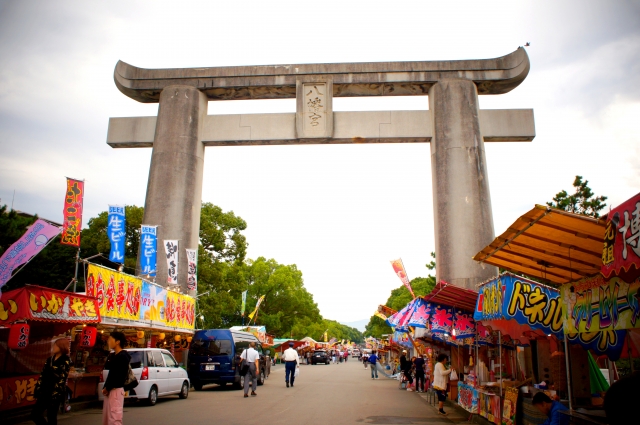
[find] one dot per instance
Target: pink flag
(28, 246)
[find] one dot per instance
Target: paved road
(335, 394)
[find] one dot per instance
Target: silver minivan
(158, 375)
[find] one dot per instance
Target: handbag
(131, 382)
(244, 368)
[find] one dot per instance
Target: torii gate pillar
(453, 124)
(461, 200)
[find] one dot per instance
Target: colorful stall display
(118, 294)
(122, 296)
(621, 250)
(416, 314)
(117, 234)
(594, 304)
(510, 405)
(17, 391)
(467, 397)
(489, 406)
(527, 302)
(148, 242)
(48, 305)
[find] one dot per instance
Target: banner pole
(566, 360)
(75, 278)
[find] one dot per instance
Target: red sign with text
(621, 250)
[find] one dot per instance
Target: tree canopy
(583, 201)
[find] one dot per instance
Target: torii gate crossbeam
(453, 124)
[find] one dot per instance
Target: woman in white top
(440, 381)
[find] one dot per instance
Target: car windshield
(136, 361)
(319, 352)
(220, 347)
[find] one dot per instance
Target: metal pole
(566, 360)
(75, 278)
(500, 359)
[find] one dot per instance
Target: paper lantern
(19, 336)
(178, 338)
(140, 334)
(161, 335)
(189, 338)
(88, 337)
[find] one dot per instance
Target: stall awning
(550, 244)
(452, 296)
(42, 304)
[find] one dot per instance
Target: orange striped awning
(553, 245)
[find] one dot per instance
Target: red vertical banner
(72, 213)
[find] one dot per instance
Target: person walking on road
(373, 359)
(419, 364)
(405, 366)
(251, 357)
(51, 388)
(440, 381)
(118, 366)
(290, 357)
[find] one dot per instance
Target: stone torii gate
(453, 124)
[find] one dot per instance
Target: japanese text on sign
(116, 232)
(72, 213)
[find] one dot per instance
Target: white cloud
(339, 212)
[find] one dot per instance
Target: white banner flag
(171, 249)
(192, 261)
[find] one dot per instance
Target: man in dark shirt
(405, 366)
(118, 366)
(419, 365)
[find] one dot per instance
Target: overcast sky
(339, 212)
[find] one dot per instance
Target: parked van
(214, 355)
(158, 375)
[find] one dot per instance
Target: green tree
(583, 201)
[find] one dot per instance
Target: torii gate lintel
(453, 124)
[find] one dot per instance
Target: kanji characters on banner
(171, 250)
(192, 269)
(72, 213)
(148, 241)
(621, 250)
(118, 294)
(441, 319)
(38, 235)
(116, 232)
(463, 324)
(398, 268)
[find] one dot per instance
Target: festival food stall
(563, 326)
(148, 314)
(30, 318)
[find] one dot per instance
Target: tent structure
(552, 245)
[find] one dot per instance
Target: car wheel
(184, 392)
(242, 378)
(153, 396)
(197, 386)
(261, 378)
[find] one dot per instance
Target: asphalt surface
(334, 394)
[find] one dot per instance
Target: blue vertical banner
(116, 232)
(148, 242)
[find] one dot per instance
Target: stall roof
(453, 296)
(552, 245)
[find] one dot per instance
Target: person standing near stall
(551, 409)
(418, 363)
(440, 381)
(118, 366)
(51, 388)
